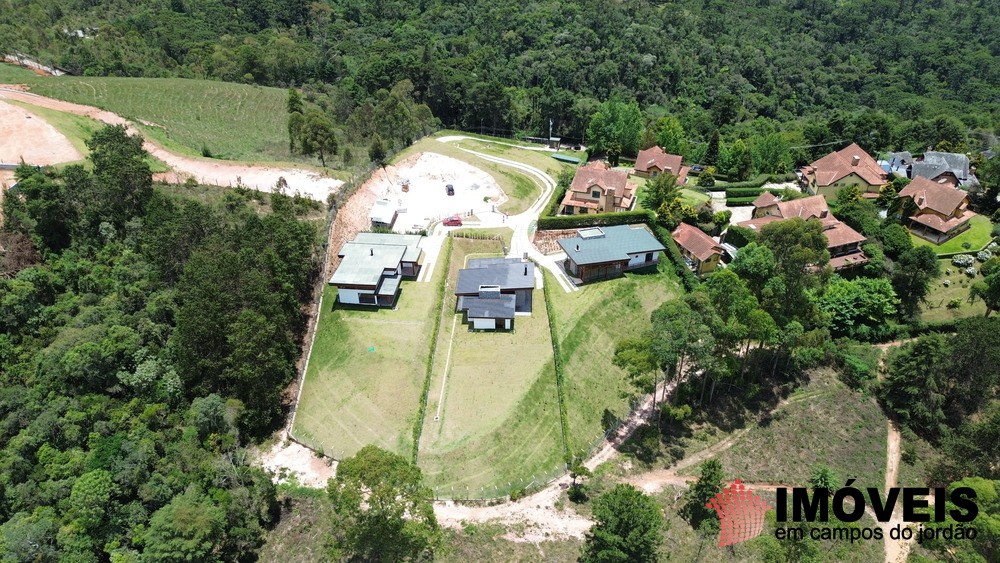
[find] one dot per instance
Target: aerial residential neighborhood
(499, 281)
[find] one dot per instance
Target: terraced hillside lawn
(492, 410)
(822, 422)
(936, 306)
(589, 324)
(978, 236)
(366, 373)
(233, 121)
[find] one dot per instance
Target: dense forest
(852, 69)
(145, 338)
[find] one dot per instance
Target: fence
(481, 236)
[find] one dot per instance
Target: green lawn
(499, 418)
(13, 74)
(978, 236)
(234, 121)
(504, 233)
(936, 306)
(821, 422)
(589, 323)
(692, 197)
(366, 373)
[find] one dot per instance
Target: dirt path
(24, 135)
(204, 170)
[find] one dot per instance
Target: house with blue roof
(598, 253)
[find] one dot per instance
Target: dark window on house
(649, 257)
(366, 298)
(595, 194)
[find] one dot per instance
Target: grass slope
(822, 422)
(590, 322)
(366, 374)
(234, 121)
(499, 420)
(935, 308)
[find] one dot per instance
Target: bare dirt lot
(426, 199)
(24, 135)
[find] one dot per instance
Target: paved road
(523, 223)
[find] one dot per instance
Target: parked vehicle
(453, 221)
(450, 189)
(697, 168)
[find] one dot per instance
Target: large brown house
(939, 211)
(850, 166)
(598, 189)
(843, 242)
(654, 161)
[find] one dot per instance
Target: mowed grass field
(589, 324)
(936, 306)
(233, 121)
(822, 422)
(978, 236)
(366, 373)
(494, 397)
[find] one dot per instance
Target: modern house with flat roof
(373, 265)
(492, 290)
(383, 214)
(598, 253)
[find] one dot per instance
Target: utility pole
(550, 127)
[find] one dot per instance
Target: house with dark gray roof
(492, 290)
(948, 168)
(597, 253)
(372, 267)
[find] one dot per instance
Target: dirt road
(24, 135)
(203, 170)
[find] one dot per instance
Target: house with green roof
(373, 265)
(598, 253)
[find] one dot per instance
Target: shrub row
(738, 201)
(747, 192)
(418, 427)
(760, 181)
(552, 208)
(687, 277)
(557, 363)
(593, 220)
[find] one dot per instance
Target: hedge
(418, 426)
(552, 208)
(687, 277)
(747, 192)
(594, 220)
(738, 201)
(560, 377)
(759, 181)
(740, 236)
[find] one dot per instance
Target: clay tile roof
(765, 199)
(839, 164)
(931, 195)
(655, 156)
(597, 174)
(806, 208)
(840, 234)
(695, 241)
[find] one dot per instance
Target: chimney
(371, 252)
(855, 160)
(668, 170)
(525, 269)
(578, 248)
(920, 200)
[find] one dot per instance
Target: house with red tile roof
(700, 251)
(843, 242)
(654, 161)
(850, 166)
(598, 189)
(936, 211)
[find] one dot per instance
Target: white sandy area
(24, 135)
(427, 200)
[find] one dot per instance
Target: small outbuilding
(383, 214)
